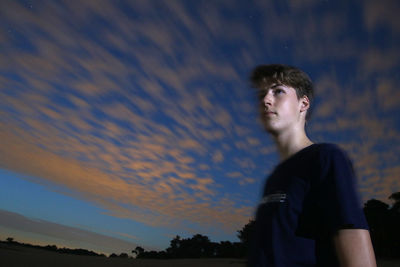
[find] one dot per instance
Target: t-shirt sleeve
(337, 200)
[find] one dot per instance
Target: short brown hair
(263, 75)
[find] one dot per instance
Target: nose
(267, 99)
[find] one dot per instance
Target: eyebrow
(273, 86)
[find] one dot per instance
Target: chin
(270, 129)
(273, 132)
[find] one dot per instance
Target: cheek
(285, 105)
(289, 108)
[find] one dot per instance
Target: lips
(269, 112)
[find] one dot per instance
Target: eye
(278, 91)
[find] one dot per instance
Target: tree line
(198, 246)
(384, 224)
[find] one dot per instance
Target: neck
(289, 143)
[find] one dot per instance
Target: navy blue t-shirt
(306, 199)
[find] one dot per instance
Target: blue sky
(125, 123)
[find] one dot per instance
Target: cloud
(247, 181)
(218, 157)
(382, 14)
(241, 178)
(388, 96)
(376, 61)
(234, 174)
(307, 31)
(65, 235)
(142, 190)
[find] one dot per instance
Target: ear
(304, 103)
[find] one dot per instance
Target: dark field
(18, 256)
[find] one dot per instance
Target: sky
(126, 123)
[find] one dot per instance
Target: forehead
(268, 82)
(272, 85)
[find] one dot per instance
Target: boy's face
(281, 109)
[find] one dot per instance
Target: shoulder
(333, 156)
(329, 150)
(328, 147)
(334, 159)
(322, 152)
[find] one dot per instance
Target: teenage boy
(310, 213)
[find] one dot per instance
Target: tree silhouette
(246, 234)
(396, 198)
(174, 247)
(384, 225)
(377, 215)
(247, 231)
(198, 246)
(226, 249)
(138, 251)
(394, 225)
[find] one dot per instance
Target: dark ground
(12, 255)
